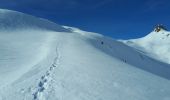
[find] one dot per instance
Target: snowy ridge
(132, 56)
(50, 62)
(13, 20)
(155, 44)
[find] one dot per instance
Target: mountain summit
(159, 27)
(155, 44)
(40, 60)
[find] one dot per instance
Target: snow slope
(155, 44)
(43, 63)
(12, 20)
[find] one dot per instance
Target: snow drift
(40, 60)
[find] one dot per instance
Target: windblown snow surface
(40, 60)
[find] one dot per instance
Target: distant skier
(102, 42)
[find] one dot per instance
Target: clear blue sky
(116, 18)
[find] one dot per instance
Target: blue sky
(116, 18)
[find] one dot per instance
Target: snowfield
(40, 60)
(155, 44)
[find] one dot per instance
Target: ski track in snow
(45, 80)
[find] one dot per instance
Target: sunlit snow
(40, 60)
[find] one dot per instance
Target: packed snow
(40, 60)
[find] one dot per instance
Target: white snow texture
(40, 60)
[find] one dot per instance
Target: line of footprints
(44, 82)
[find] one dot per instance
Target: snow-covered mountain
(155, 45)
(12, 20)
(40, 60)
